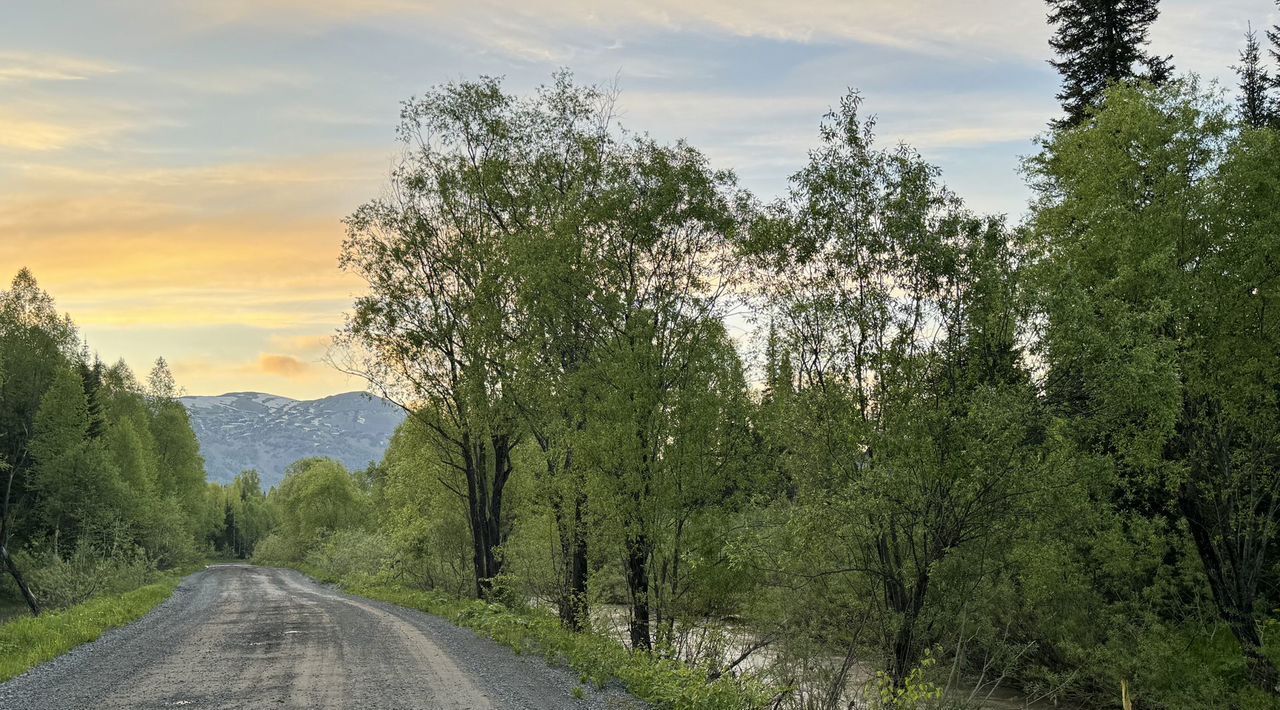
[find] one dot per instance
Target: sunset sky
(175, 172)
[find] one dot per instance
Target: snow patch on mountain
(242, 430)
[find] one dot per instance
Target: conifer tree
(1273, 35)
(1099, 42)
(80, 492)
(1255, 84)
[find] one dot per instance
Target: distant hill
(241, 430)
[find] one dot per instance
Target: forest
(854, 444)
(104, 485)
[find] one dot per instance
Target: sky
(175, 172)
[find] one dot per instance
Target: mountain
(241, 430)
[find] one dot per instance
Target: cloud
(205, 376)
(24, 67)
(543, 29)
(27, 134)
(48, 126)
(282, 365)
(230, 80)
(253, 244)
(308, 344)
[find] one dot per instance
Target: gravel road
(238, 636)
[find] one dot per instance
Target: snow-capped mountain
(242, 430)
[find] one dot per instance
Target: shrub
(359, 556)
(60, 581)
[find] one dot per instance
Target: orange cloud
(237, 244)
(282, 365)
(197, 375)
(312, 344)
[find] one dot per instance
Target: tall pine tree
(1255, 83)
(1099, 42)
(1273, 35)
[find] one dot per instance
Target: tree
(557, 322)
(1273, 35)
(1156, 226)
(316, 498)
(10, 566)
(246, 516)
(664, 270)
(35, 343)
(1098, 43)
(62, 426)
(911, 428)
(430, 334)
(128, 435)
(1255, 84)
(705, 479)
(424, 513)
(180, 468)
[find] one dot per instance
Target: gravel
(238, 636)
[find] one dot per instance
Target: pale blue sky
(175, 172)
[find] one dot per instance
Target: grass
(664, 683)
(27, 642)
(597, 659)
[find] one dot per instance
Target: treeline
(856, 440)
(103, 483)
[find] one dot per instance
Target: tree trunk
(1235, 606)
(638, 585)
(573, 605)
(486, 482)
(475, 464)
(479, 530)
(669, 585)
(907, 603)
(22, 584)
(905, 651)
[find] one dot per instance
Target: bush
(276, 549)
(166, 535)
(61, 581)
(360, 556)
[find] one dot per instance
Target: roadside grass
(598, 660)
(27, 642)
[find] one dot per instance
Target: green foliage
(102, 477)
(81, 494)
(356, 556)
(972, 455)
(907, 427)
(64, 580)
(1256, 107)
(316, 498)
(246, 515)
(1151, 226)
(1098, 43)
(418, 508)
(972, 452)
(915, 691)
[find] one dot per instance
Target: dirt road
(237, 636)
